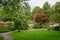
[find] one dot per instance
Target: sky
(40, 3)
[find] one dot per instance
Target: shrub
(57, 28)
(37, 26)
(41, 18)
(17, 25)
(20, 25)
(25, 25)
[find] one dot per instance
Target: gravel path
(6, 36)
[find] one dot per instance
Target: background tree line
(20, 9)
(19, 12)
(52, 11)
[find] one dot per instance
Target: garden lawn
(1, 38)
(36, 35)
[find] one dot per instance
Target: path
(6, 36)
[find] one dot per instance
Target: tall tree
(46, 8)
(57, 7)
(36, 10)
(26, 10)
(13, 8)
(57, 12)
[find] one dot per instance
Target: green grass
(36, 35)
(1, 38)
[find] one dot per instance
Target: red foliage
(41, 18)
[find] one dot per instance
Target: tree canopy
(13, 9)
(36, 10)
(46, 8)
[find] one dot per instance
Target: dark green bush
(37, 26)
(57, 28)
(17, 25)
(20, 25)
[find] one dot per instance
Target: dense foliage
(12, 9)
(46, 8)
(41, 18)
(36, 10)
(20, 25)
(17, 25)
(25, 25)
